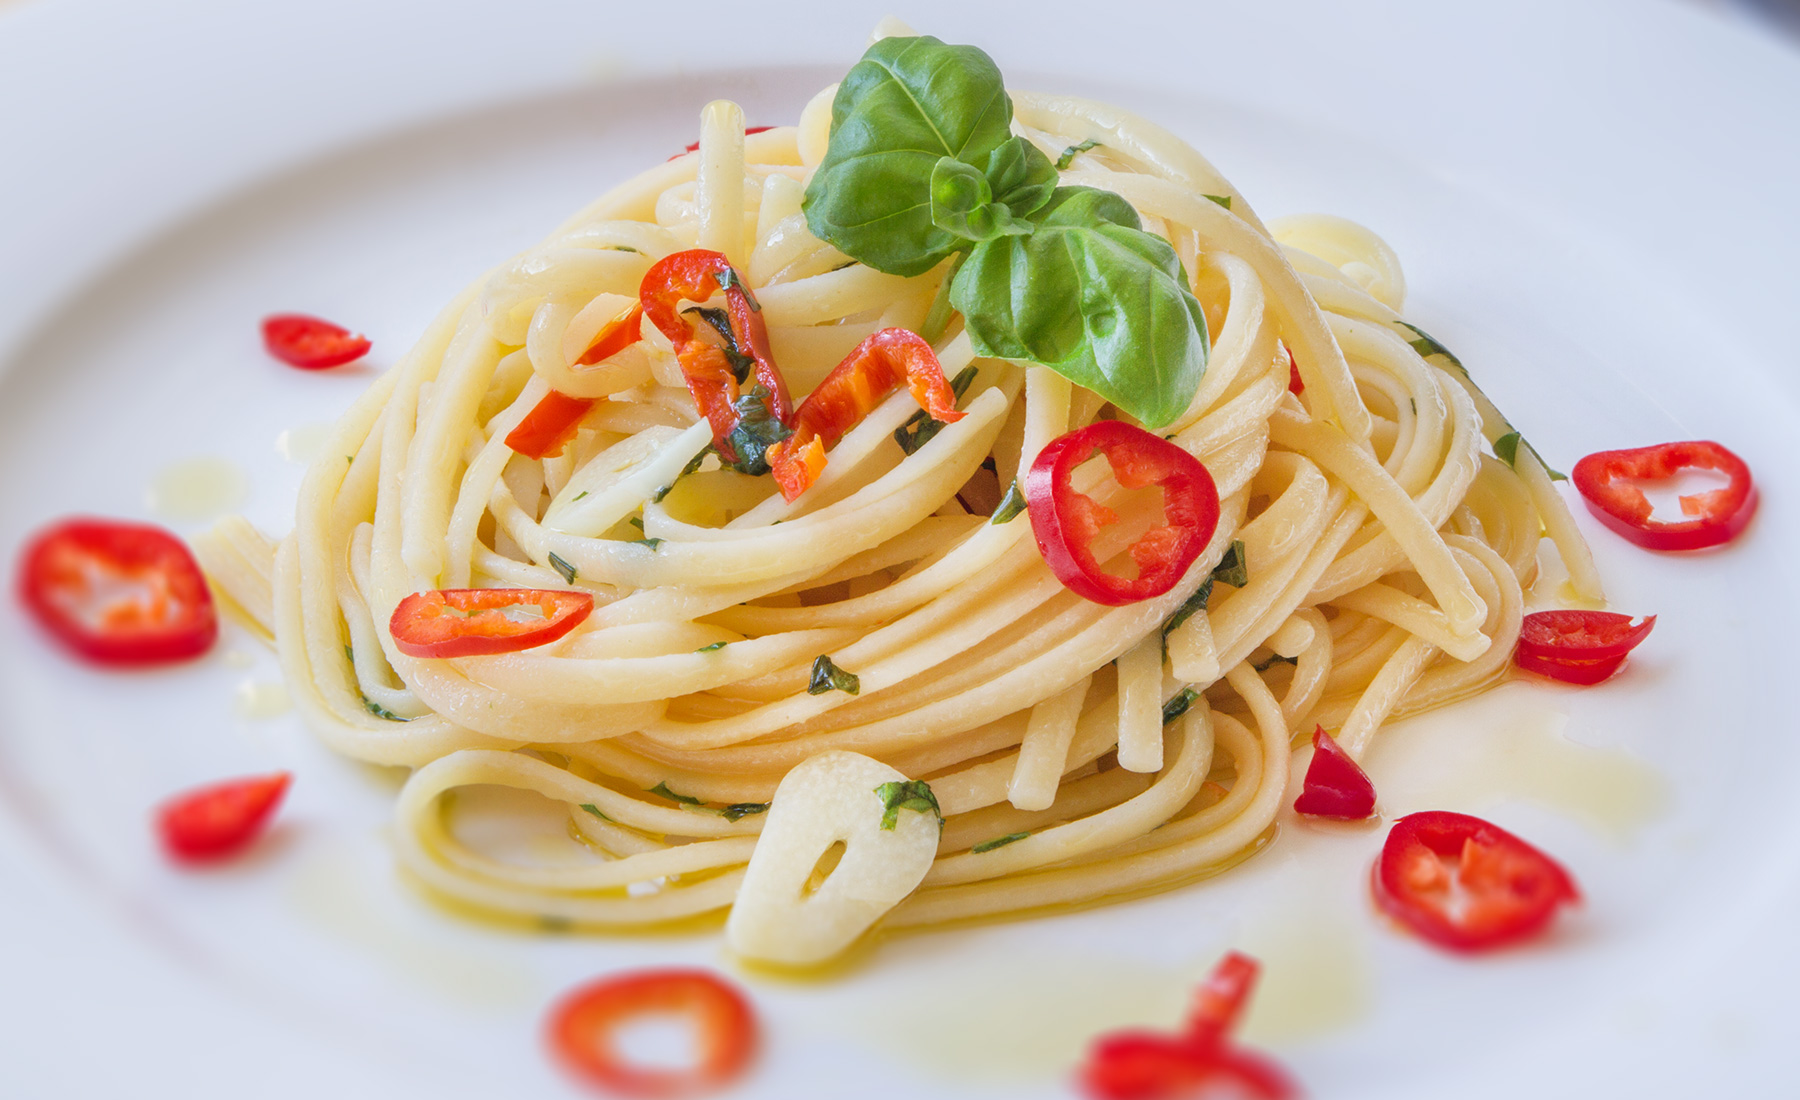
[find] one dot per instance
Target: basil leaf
(1179, 704)
(1021, 176)
(962, 203)
(563, 568)
(720, 320)
(1232, 568)
(1073, 151)
(754, 433)
(1197, 602)
(1506, 449)
(1427, 347)
(829, 677)
(651, 543)
(913, 794)
(1095, 298)
(595, 810)
(1278, 659)
(1010, 505)
(1222, 200)
(661, 790)
(380, 711)
(921, 426)
(738, 810)
(710, 648)
(997, 842)
(906, 105)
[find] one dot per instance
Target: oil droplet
(258, 699)
(1518, 752)
(198, 489)
(303, 442)
(1315, 977)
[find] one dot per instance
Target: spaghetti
(1075, 751)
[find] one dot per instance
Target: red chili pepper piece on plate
(1336, 786)
(1578, 647)
(311, 343)
(1065, 522)
(584, 1026)
(1605, 480)
(1199, 1061)
(219, 820)
(1295, 386)
(695, 276)
(1465, 884)
(850, 392)
(553, 421)
(118, 593)
(467, 622)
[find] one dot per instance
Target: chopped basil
(743, 809)
(710, 648)
(842, 266)
(1197, 602)
(1222, 200)
(1427, 346)
(754, 433)
(1073, 151)
(1506, 449)
(1233, 570)
(997, 842)
(595, 810)
(920, 427)
(579, 495)
(829, 677)
(1178, 704)
(1277, 659)
(564, 568)
(651, 543)
(620, 248)
(637, 522)
(657, 497)
(730, 278)
(549, 923)
(661, 790)
(694, 463)
(910, 794)
(1010, 505)
(349, 654)
(380, 711)
(741, 362)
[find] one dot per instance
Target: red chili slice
(220, 820)
(554, 420)
(1200, 1061)
(311, 343)
(850, 392)
(695, 276)
(1465, 884)
(583, 1030)
(1295, 386)
(1336, 786)
(1718, 514)
(467, 622)
(1065, 521)
(118, 593)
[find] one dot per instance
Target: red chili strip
(1336, 787)
(553, 421)
(118, 593)
(311, 343)
(584, 1027)
(1578, 647)
(1066, 522)
(850, 392)
(221, 820)
(1462, 883)
(1604, 479)
(1201, 1060)
(1295, 386)
(467, 622)
(696, 276)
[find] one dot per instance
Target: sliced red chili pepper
(1336, 786)
(1295, 386)
(695, 276)
(1150, 1065)
(118, 593)
(554, 420)
(1604, 479)
(311, 343)
(1582, 635)
(1065, 521)
(219, 820)
(584, 1027)
(850, 392)
(1465, 884)
(466, 622)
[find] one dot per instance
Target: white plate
(1595, 208)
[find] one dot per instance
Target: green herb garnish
(829, 677)
(1232, 569)
(651, 543)
(742, 363)
(920, 427)
(1277, 659)
(1178, 704)
(1506, 449)
(910, 794)
(1427, 346)
(380, 711)
(1197, 602)
(1222, 200)
(739, 810)
(729, 278)
(661, 790)
(1073, 151)
(710, 648)
(997, 842)
(579, 495)
(754, 433)
(1010, 505)
(595, 810)
(564, 568)
(922, 165)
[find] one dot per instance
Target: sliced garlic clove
(779, 916)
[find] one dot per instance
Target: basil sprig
(922, 166)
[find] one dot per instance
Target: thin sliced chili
(1605, 481)
(468, 622)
